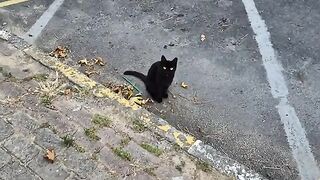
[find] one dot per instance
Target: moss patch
(150, 171)
(91, 133)
(138, 126)
(180, 166)
(204, 166)
(67, 141)
(101, 121)
(46, 100)
(152, 149)
(176, 147)
(119, 151)
(79, 148)
(125, 141)
(37, 77)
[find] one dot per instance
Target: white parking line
(296, 136)
(41, 23)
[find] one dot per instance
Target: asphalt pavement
(228, 102)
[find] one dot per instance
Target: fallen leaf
(184, 85)
(50, 156)
(59, 52)
(99, 61)
(89, 73)
(202, 37)
(83, 62)
(139, 100)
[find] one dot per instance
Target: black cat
(159, 78)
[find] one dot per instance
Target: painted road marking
(296, 136)
(41, 23)
(11, 2)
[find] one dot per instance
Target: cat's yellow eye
(171, 69)
(164, 68)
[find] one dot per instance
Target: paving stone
(59, 122)
(47, 139)
(15, 171)
(6, 50)
(165, 172)
(114, 163)
(5, 110)
(47, 170)
(141, 176)
(71, 107)
(22, 147)
(109, 136)
(23, 122)
(88, 144)
(102, 173)
(2, 78)
(80, 163)
(10, 89)
(4, 158)
(143, 155)
(6, 130)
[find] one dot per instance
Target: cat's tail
(139, 75)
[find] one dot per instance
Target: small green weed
(176, 147)
(40, 77)
(46, 100)
(68, 141)
(101, 121)
(79, 148)
(125, 141)
(119, 151)
(204, 166)
(91, 133)
(152, 149)
(180, 166)
(150, 171)
(138, 126)
(37, 77)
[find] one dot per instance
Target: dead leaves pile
(89, 65)
(124, 90)
(127, 92)
(60, 52)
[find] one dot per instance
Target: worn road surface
(229, 102)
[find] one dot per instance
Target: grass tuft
(91, 133)
(101, 121)
(119, 151)
(138, 126)
(204, 166)
(152, 149)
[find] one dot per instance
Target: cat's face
(168, 68)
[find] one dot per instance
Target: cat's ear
(175, 61)
(163, 58)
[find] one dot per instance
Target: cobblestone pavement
(92, 138)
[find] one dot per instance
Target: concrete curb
(194, 147)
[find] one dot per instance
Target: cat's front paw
(165, 95)
(159, 100)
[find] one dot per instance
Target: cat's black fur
(159, 78)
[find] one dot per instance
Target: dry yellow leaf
(50, 156)
(83, 62)
(184, 85)
(139, 100)
(59, 52)
(99, 61)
